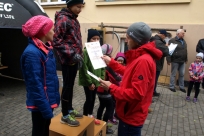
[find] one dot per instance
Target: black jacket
(180, 53)
(200, 46)
(161, 45)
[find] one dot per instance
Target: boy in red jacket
(134, 95)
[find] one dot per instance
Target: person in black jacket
(178, 59)
(200, 48)
(161, 45)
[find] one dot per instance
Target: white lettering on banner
(6, 6)
(7, 16)
(39, 6)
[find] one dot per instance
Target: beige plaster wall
(189, 15)
(150, 13)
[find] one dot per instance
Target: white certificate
(172, 48)
(95, 54)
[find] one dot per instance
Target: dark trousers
(40, 125)
(90, 101)
(196, 87)
(69, 74)
(156, 80)
(105, 103)
(128, 130)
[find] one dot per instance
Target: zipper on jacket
(45, 87)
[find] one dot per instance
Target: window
(123, 45)
(51, 2)
(131, 2)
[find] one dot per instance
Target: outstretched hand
(105, 84)
(106, 59)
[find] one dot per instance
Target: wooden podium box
(86, 127)
(100, 130)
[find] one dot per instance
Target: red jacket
(134, 95)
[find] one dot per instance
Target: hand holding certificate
(103, 83)
(95, 54)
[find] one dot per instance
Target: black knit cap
(74, 2)
(92, 33)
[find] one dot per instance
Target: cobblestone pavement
(171, 116)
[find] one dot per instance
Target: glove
(80, 63)
(78, 59)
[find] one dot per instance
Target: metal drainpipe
(118, 37)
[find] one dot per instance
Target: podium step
(86, 127)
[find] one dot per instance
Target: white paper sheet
(172, 47)
(94, 76)
(95, 54)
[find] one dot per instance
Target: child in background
(90, 84)
(196, 72)
(115, 78)
(105, 98)
(39, 72)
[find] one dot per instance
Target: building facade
(164, 14)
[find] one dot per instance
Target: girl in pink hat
(39, 72)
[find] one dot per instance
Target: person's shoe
(155, 94)
(188, 98)
(113, 121)
(69, 121)
(173, 90)
(115, 116)
(183, 90)
(149, 110)
(96, 121)
(195, 100)
(152, 101)
(109, 131)
(76, 114)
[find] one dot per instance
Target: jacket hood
(148, 48)
(120, 54)
(66, 12)
(156, 37)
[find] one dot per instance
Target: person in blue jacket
(39, 72)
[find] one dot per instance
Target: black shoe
(173, 90)
(109, 131)
(183, 90)
(152, 101)
(155, 94)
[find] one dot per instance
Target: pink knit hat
(37, 26)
